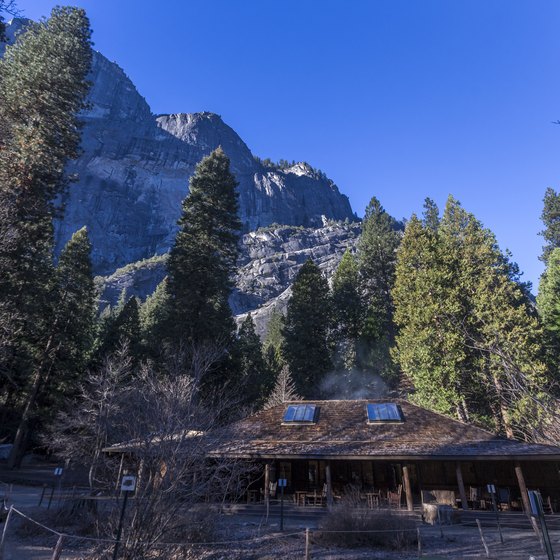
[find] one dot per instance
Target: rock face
(134, 172)
(269, 261)
(135, 167)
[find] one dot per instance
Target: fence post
(5, 531)
(51, 497)
(482, 538)
(42, 495)
(58, 548)
(419, 542)
(307, 544)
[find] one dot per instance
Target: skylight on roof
(300, 413)
(384, 412)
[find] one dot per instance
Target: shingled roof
(342, 431)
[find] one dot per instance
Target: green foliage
(376, 261)
(347, 312)
(551, 220)
(76, 304)
(154, 320)
(203, 258)
(467, 334)
(306, 348)
(42, 89)
(256, 379)
(548, 304)
(119, 326)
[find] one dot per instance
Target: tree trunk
(504, 412)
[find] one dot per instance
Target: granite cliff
(269, 260)
(133, 174)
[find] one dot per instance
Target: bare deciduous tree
(152, 424)
(284, 389)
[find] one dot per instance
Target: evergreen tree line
(440, 315)
(434, 310)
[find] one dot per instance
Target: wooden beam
(461, 485)
(329, 484)
(522, 487)
(266, 482)
(407, 488)
(267, 488)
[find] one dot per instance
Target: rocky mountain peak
(135, 168)
(206, 131)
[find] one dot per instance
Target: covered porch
(409, 483)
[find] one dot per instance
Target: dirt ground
(253, 541)
(247, 537)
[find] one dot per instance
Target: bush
(393, 531)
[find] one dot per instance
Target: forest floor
(248, 540)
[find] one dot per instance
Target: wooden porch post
(266, 483)
(267, 489)
(522, 487)
(461, 484)
(407, 488)
(329, 484)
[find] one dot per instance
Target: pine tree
(255, 378)
(120, 326)
(154, 320)
(42, 89)
(203, 258)
(347, 312)
(467, 334)
(548, 304)
(551, 219)
(430, 216)
(76, 303)
(376, 261)
(306, 330)
(272, 345)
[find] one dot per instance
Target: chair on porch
(394, 498)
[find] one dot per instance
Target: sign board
(128, 483)
(282, 482)
(536, 503)
(58, 471)
(491, 488)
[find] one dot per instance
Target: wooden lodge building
(391, 452)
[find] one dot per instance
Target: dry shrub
(196, 526)
(78, 514)
(389, 530)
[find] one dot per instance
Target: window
(300, 413)
(384, 412)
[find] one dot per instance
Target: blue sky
(397, 99)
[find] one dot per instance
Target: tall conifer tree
(347, 312)
(154, 320)
(42, 89)
(376, 261)
(467, 334)
(255, 376)
(551, 220)
(306, 330)
(203, 258)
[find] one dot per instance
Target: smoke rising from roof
(353, 384)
